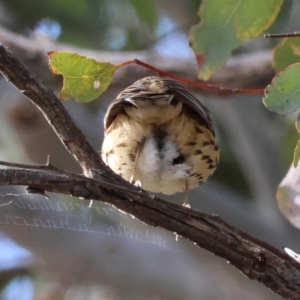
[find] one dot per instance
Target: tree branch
(254, 258)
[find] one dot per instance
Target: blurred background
(63, 249)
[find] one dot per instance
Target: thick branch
(254, 258)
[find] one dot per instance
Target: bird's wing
(163, 89)
(200, 111)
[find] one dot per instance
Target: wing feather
(156, 88)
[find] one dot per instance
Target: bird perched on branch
(160, 137)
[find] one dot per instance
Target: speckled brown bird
(159, 136)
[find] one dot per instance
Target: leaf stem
(201, 85)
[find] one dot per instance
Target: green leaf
(253, 17)
(296, 154)
(282, 96)
(224, 25)
(286, 53)
(85, 79)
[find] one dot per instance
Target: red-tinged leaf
(200, 60)
(85, 79)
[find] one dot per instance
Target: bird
(160, 137)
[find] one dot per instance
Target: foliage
(282, 95)
(84, 78)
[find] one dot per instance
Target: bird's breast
(160, 159)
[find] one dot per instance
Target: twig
(203, 86)
(281, 35)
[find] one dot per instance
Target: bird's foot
(186, 204)
(136, 183)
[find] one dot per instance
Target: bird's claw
(136, 183)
